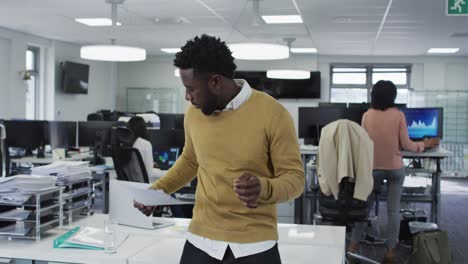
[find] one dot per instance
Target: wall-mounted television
(75, 77)
(282, 88)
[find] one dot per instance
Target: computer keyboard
(436, 149)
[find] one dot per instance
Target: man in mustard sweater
(242, 147)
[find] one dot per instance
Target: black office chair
(127, 160)
(95, 117)
(346, 211)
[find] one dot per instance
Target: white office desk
(44, 250)
(435, 198)
(298, 244)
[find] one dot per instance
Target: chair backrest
(95, 117)
(346, 209)
(128, 161)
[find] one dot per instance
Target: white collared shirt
(216, 248)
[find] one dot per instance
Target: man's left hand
(248, 189)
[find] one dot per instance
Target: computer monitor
(61, 134)
(171, 121)
(166, 137)
(165, 157)
(359, 105)
(424, 122)
(27, 134)
(327, 104)
(313, 119)
(90, 132)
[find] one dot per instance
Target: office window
(31, 78)
(352, 83)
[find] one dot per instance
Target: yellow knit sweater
(259, 138)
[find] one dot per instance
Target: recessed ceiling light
(96, 22)
(170, 50)
(443, 50)
(259, 51)
(303, 50)
(289, 19)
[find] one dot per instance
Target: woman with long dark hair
(387, 127)
(138, 126)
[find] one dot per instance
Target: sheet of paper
(142, 193)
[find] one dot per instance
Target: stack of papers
(26, 184)
(16, 229)
(66, 171)
(87, 238)
(15, 214)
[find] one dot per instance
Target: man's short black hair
(383, 95)
(206, 54)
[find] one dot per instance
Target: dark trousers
(194, 255)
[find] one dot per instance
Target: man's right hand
(146, 210)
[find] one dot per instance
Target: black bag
(430, 247)
(405, 236)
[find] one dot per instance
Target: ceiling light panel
(96, 22)
(170, 50)
(303, 50)
(443, 50)
(286, 19)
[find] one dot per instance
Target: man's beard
(211, 104)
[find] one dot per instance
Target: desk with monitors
(425, 123)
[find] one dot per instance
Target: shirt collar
(241, 97)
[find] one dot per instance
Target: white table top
(297, 244)
(44, 250)
(440, 153)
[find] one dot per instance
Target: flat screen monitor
(424, 122)
(166, 137)
(27, 134)
(283, 88)
(75, 77)
(90, 132)
(61, 134)
(313, 119)
(359, 105)
(165, 157)
(171, 121)
(327, 104)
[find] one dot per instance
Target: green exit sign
(457, 8)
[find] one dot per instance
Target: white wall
(4, 79)
(435, 73)
(100, 93)
(155, 72)
(13, 46)
(57, 105)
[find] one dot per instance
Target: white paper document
(142, 193)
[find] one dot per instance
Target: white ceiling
(338, 27)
